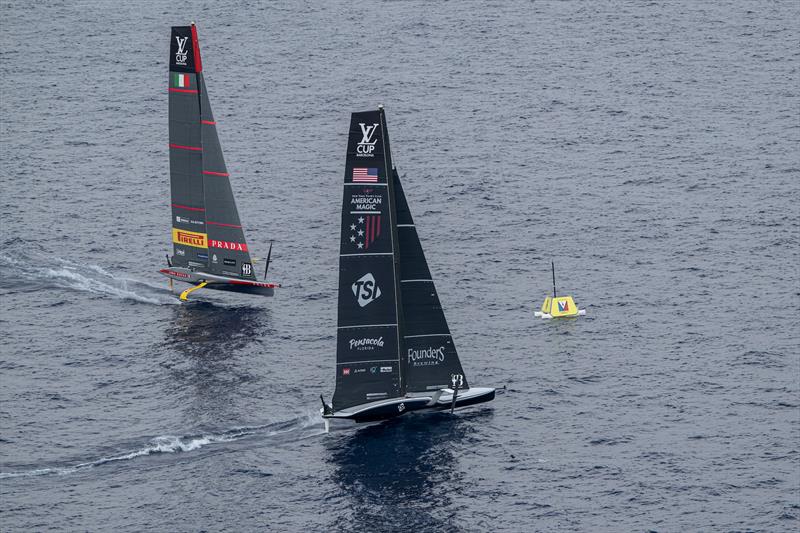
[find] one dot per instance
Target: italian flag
(181, 80)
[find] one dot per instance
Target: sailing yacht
(394, 351)
(209, 247)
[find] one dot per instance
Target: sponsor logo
(183, 220)
(457, 380)
(345, 371)
(425, 356)
(196, 264)
(226, 245)
(229, 273)
(366, 146)
(181, 55)
(366, 200)
(176, 274)
(365, 175)
(401, 407)
(189, 238)
(366, 290)
(202, 256)
(385, 369)
(366, 343)
(247, 269)
(180, 251)
(563, 306)
(226, 261)
(214, 258)
(365, 230)
(374, 369)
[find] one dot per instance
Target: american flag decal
(365, 175)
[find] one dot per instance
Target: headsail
(431, 357)
(206, 231)
(368, 341)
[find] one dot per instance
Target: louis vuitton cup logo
(366, 290)
(366, 147)
(181, 54)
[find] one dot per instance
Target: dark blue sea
(650, 149)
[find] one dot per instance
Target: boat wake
(32, 271)
(303, 426)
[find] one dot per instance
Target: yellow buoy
(559, 306)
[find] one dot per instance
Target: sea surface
(650, 149)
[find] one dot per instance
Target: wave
(27, 271)
(174, 444)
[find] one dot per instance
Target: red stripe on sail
(198, 66)
(176, 90)
(368, 228)
(209, 122)
(378, 226)
(187, 207)
(221, 224)
(210, 173)
(181, 147)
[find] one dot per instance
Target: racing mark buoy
(558, 306)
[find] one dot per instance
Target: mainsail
(430, 356)
(369, 339)
(206, 231)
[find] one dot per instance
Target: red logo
(226, 245)
(345, 371)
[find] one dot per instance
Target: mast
(390, 172)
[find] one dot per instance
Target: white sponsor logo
(180, 251)
(366, 290)
(368, 140)
(401, 407)
(181, 55)
(247, 269)
(385, 369)
(366, 343)
(214, 258)
(425, 356)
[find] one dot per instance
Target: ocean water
(649, 149)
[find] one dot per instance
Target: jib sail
(368, 340)
(206, 231)
(430, 357)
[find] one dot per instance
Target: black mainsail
(394, 350)
(209, 245)
(368, 345)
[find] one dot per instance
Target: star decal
(360, 220)
(360, 245)
(352, 227)
(360, 232)
(352, 238)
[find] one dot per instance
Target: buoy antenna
(553, 266)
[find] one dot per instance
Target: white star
(360, 220)
(352, 238)
(360, 232)
(360, 245)
(352, 227)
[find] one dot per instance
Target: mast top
(380, 107)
